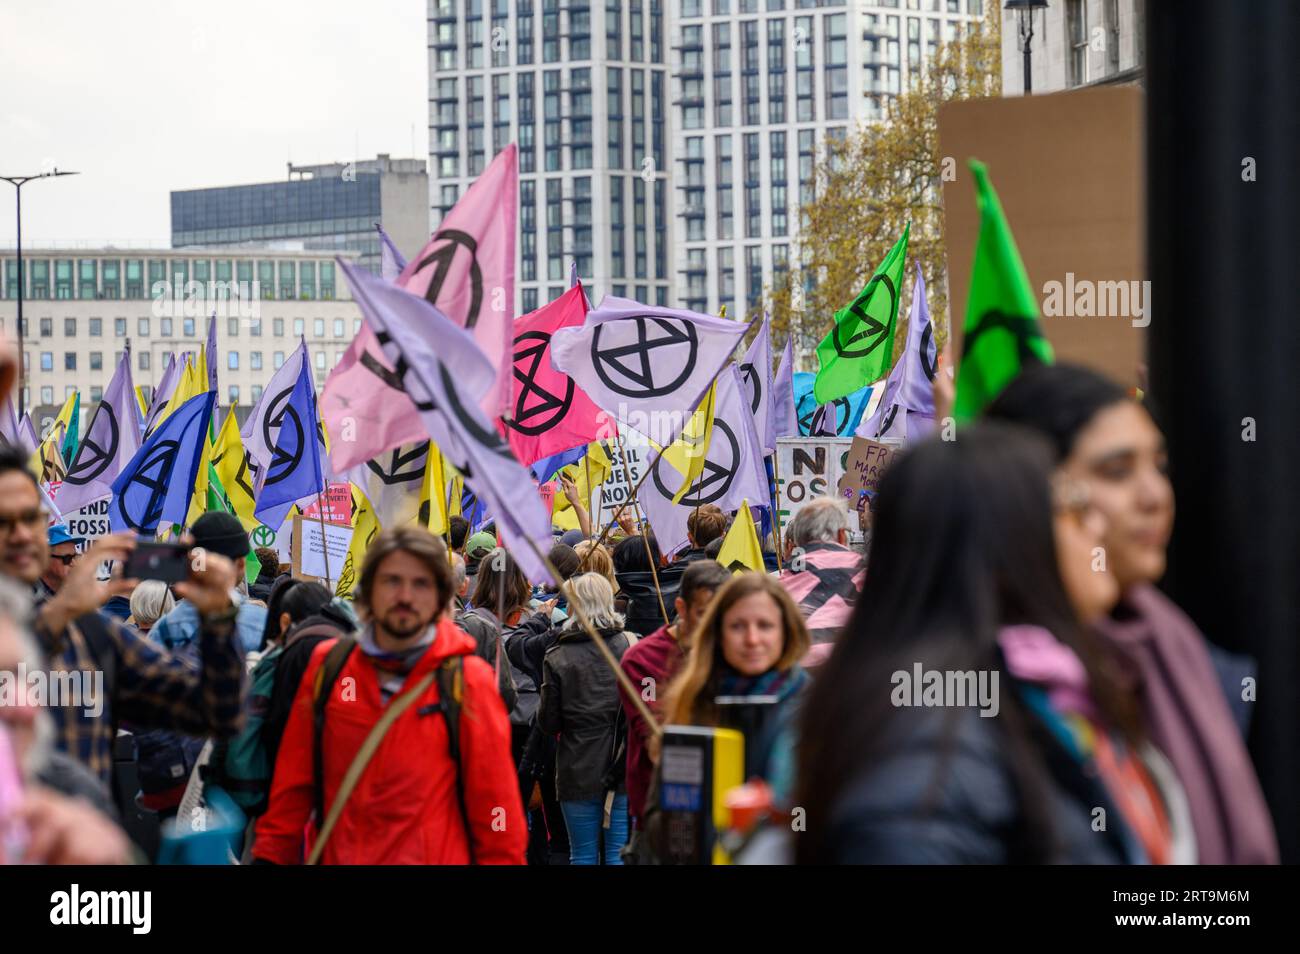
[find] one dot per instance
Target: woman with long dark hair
(967, 713)
(1189, 690)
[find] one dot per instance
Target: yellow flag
(740, 548)
(364, 527)
(433, 493)
(592, 471)
(190, 385)
(230, 461)
(139, 399)
(49, 454)
(688, 452)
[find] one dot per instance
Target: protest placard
(866, 463)
(808, 468)
(309, 542)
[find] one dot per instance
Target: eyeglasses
(32, 519)
(65, 558)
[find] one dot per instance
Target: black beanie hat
(221, 533)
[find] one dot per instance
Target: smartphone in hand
(153, 560)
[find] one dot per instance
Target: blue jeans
(584, 819)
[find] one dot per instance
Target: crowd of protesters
(451, 711)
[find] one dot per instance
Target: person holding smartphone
(122, 675)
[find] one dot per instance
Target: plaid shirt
(142, 684)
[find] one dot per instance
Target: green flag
(71, 437)
(861, 343)
(1002, 334)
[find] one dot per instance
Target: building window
(255, 393)
(278, 360)
(119, 327)
(96, 395)
(232, 360)
(277, 327)
(87, 285)
(142, 362)
(96, 361)
(299, 327)
(338, 328)
(233, 394)
(320, 360)
(1076, 28)
(232, 327)
(327, 281)
(318, 327)
(69, 327)
(255, 361)
(255, 327)
(187, 327)
(287, 286)
(142, 327)
(69, 361)
(307, 280)
(529, 300)
(165, 327)
(47, 327)
(722, 150)
(47, 395)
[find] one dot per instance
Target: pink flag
(468, 268)
(467, 271)
(550, 413)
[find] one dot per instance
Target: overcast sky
(146, 96)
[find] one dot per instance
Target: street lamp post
(1025, 10)
(18, 182)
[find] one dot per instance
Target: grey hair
(592, 593)
(16, 610)
(819, 521)
(151, 600)
(457, 572)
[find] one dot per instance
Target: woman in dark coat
(580, 704)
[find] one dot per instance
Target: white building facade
(83, 307)
(665, 145)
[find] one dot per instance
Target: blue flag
(157, 483)
(816, 421)
(294, 469)
(548, 467)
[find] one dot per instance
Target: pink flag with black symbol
(468, 268)
(549, 412)
(468, 272)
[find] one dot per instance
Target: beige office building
(83, 307)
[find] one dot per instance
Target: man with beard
(398, 747)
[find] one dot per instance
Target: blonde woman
(594, 558)
(580, 705)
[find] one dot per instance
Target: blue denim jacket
(180, 626)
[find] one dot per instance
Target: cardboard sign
(808, 468)
(338, 504)
(614, 491)
(867, 462)
(90, 523)
(309, 543)
(1069, 171)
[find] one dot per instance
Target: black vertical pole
(1223, 131)
(22, 371)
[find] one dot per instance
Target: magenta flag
(550, 413)
(468, 268)
(468, 272)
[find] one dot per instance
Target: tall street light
(18, 183)
(1025, 10)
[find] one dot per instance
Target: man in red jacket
(416, 802)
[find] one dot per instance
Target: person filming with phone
(121, 675)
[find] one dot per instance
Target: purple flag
(733, 469)
(647, 366)
(163, 393)
(446, 375)
(210, 354)
(906, 409)
(391, 261)
(785, 422)
(109, 444)
(756, 374)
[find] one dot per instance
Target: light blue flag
(840, 418)
(294, 469)
(785, 422)
(157, 483)
(391, 261)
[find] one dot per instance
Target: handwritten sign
(865, 466)
(309, 546)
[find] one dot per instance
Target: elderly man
(63, 553)
(824, 575)
(64, 811)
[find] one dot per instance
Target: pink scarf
(1188, 719)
